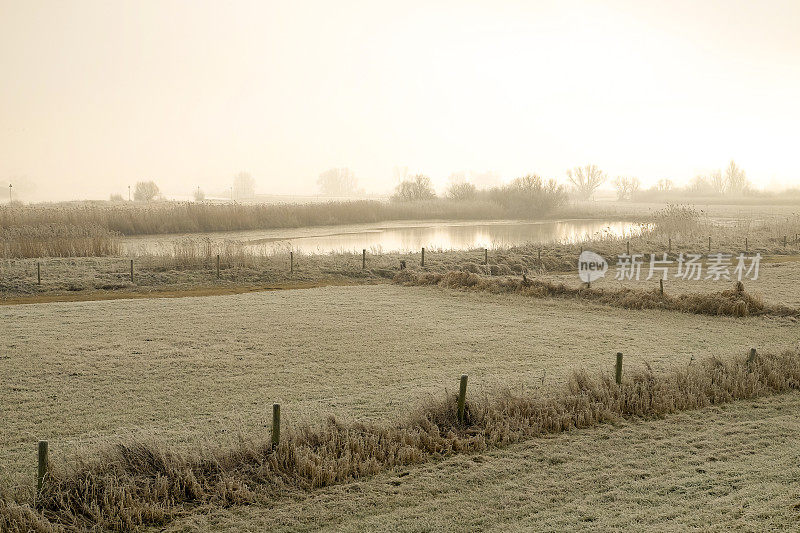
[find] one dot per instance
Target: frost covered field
(206, 370)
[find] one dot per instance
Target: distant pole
(618, 373)
(462, 397)
(44, 465)
(422, 263)
(9, 194)
(129, 193)
(276, 424)
(291, 262)
(217, 266)
(38, 273)
(131, 270)
(363, 259)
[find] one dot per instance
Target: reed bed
(57, 240)
(136, 484)
(732, 302)
(192, 217)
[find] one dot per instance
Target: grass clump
(734, 302)
(131, 485)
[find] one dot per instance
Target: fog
(96, 96)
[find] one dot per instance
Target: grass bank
(135, 484)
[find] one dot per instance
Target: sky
(96, 95)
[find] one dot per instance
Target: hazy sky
(97, 95)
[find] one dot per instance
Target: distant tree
(664, 185)
(461, 191)
(717, 182)
(199, 195)
(337, 182)
(735, 179)
(417, 188)
(586, 180)
(244, 186)
(626, 187)
(145, 191)
(700, 185)
(529, 196)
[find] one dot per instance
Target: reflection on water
(454, 236)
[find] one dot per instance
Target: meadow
(158, 410)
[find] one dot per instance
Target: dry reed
(732, 302)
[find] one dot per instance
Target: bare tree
(735, 179)
(586, 180)
(145, 191)
(626, 187)
(337, 182)
(461, 191)
(417, 188)
(717, 182)
(244, 186)
(664, 185)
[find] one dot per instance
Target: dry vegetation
(137, 484)
(57, 240)
(731, 302)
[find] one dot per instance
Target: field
(94, 360)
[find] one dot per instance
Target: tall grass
(129, 485)
(732, 302)
(188, 217)
(57, 240)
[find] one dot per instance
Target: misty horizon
(189, 94)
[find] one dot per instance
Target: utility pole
(9, 194)
(129, 193)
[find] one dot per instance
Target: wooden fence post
(462, 396)
(291, 262)
(131, 270)
(746, 245)
(44, 466)
(628, 247)
(752, 357)
(784, 241)
(669, 246)
(422, 262)
(709, 244)
(485, 256)
(661, 286)
(217, 266)
(363, 259)
(38, 273)
(276, 424)
(618, 373)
